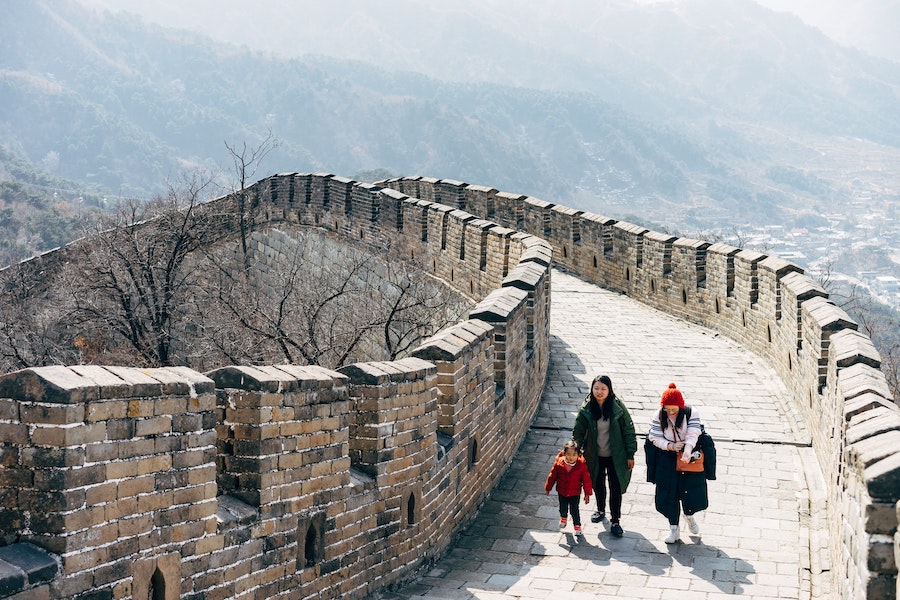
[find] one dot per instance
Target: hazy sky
(870, 25)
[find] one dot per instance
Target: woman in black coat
(675, 429)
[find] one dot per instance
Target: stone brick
(44, 457)
(100, 494)
(137, 448)
(134, 486)
(123, 507)
(85, 559)
(170, 406)
(134, 526)
(110, 573)
(154, 502)
(120, 429)
(141, 408)
(105, 411)
(103, 452)
(51, 414)
(153, 426)
(209, 544)
(68, 478)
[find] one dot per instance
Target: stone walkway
(755, 536)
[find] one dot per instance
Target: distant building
(888, 284)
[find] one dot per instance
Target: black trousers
(607, 474)
(569, 504)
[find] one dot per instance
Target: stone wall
(112, 470)
(283, 481)
(252, 481)
(774, 310)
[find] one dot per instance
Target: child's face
(571, 454)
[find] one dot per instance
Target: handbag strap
(687, 416)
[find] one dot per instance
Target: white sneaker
(692, 524)
(673, 537)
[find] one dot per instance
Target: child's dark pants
(569, 504)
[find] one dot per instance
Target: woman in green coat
(605, 433)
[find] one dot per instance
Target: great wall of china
(300, 482)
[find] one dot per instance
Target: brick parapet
(290, 513)
(112, 465)
(463, 357)
(306, 480)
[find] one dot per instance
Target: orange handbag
(695, 466)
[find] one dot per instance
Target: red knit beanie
(672, 397)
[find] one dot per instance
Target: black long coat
(690, 488)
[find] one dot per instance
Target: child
(570, 474)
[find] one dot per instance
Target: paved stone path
(756, 535)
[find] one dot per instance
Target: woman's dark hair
(604, 412)
(664, 418)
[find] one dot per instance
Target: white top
(687, 433)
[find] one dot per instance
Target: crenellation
(596, 246)
(451, 193)
(407, 185)
(653, 281)
(480, 200)
(510, 210)
(566, 232)
(537, 217)
(426, 189)
(390, 212)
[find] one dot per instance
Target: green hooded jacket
(622, 441)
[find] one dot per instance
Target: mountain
(694, 115)
(869, 25)
(693, 57)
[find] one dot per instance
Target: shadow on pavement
(712, 564)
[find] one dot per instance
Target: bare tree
(876, 320)
(414, 308)
(169, 282)
(132, 275)
(326, 303)
(32, 314)
(245, 162)
(287, 314)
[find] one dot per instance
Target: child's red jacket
(569, 483)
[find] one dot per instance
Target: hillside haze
(700, 115)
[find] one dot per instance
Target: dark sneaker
(616, 530)
(597, 517)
